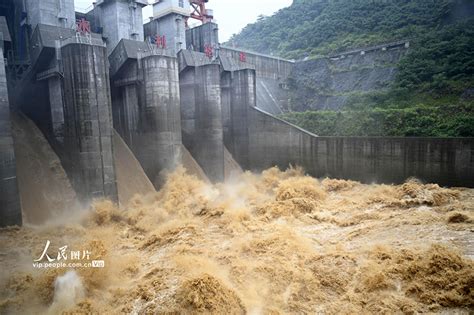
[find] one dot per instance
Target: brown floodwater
(277, 242)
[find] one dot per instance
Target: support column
(57, 107)
(242, 98)
(147, 113)
(158, 142)
(225, 105)
(209, 137)
(130, 112)
(88, 121)
(10, 206)
(125, 105)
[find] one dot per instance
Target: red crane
(199, 11)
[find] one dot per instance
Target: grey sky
(232, 16)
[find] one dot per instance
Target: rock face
(330, 83)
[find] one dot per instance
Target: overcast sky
(231, 15)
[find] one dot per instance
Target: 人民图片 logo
(65, 258)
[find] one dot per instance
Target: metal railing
(83, 39)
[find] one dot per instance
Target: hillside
(319, 27)
(435, 76)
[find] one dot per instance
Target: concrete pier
(158, 143)
(88, 121)
(56, 101)
(242, 99)
(10, 206)
(201, 114)
(146, 106)
(125, 105)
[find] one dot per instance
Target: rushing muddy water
(272, 243)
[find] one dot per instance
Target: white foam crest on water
(68, 291)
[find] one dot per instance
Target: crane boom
(199, 11)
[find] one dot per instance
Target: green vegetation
(313, 27)
(433, 91)
(421, 120)
(440, 59)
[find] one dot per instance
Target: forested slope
(433, 91)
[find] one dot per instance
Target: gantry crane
(199, 11)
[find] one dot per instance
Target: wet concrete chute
(175, 96)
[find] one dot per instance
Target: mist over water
(68, 290)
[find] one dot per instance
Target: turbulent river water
(272, 243)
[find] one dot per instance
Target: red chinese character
(160, 41)
(243, 57)
(83, 26)
(208, 50)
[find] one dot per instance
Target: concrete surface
(272, 74)
(446, 161)
(172, 26)
(88, 127)
(10, 207)
(201, 116)
(202, 36)
(158, 144)
(118, 19)
(146, 110)
(242, 100)
(58, 13)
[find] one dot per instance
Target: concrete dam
(100, 97)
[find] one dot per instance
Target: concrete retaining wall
(446, 161)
